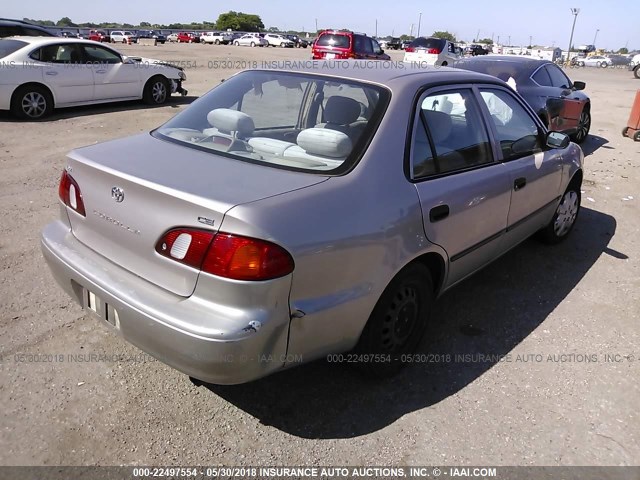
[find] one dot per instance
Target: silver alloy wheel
(34, 104)
(159, 92)
(566, 213)
(584, 126)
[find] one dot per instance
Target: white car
(172, 37)
(431, 51)
(635, 60)
(277, 40)
(216, 38)
(250, 41)
(596, 61)
(121, 36)
(54, 72)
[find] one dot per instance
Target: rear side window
(450, 134)
(7, 47)
(333, 40)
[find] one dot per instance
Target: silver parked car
(287, 215)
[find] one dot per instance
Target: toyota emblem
(117, 194)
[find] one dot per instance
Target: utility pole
(530, 40)
(376, 28)
(574, 12)
(419, 23)
(316, 32)
(477, 35)
(411, 30)
(594, 37)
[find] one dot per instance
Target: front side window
(541, 77)
(449, 134)
(297, 121)
(558, 79)
(101, 55)
(516, 130)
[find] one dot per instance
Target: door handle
(438, 213)
(101, 71)
(51, 73)
(519, 183)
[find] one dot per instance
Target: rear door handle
(519, 183)
(438, 213)
(51, 73)
(101, 71)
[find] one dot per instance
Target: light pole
(574, 12)
(595, 36)
(419, 23)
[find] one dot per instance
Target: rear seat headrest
(227, 120)
(325, 142)
(341, 110)
(439, 124)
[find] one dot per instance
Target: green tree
(623, 51)
(445, 35)
(485, 40)
(239, 21)
(65, 22)
(145, 24)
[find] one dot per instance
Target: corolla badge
(117, 194)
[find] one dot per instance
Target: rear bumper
(189, 334)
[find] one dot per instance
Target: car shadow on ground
(593, 143)
(88, 110)
(488, 314)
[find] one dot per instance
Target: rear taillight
(70, 194)
(410, 49)
(434, 51)
(226, 255)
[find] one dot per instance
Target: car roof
(36, 41)
(524, 61)
(394, 76)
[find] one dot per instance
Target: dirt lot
(543, 406)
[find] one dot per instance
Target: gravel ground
(555, 313)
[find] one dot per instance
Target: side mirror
(557, 140)
(380, 51)
(579, 85)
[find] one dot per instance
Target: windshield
(288, 120)
(7, 47)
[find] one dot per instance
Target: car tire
(581, 64)
(636, 72)
(625, 130)
(282, 45)
(156, 91)
(564, 218)
(217, 42)
(31, 102)
(584, 125)
(636, 136)
(398, 321)
(444, 64)
(237, 44)
(253, 44)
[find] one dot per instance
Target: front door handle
(438, 213)
(50, 72)
(519, 183)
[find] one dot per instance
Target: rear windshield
(333, 40)
(287, 120)
(7, 47)
(428, 43)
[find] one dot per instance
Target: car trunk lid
(136, 189)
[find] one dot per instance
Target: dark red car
(188, 37)
(99, 36)
(344, 44)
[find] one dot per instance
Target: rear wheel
(217, 42)
(156, 91)
(636, 136)
(584, 125)
(253, 44)
(398, 321)
(237, 44)
(444, 64)
(581, 64)
(565, 217)
(31, 102)
(636, 71)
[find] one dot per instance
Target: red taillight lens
(243, 258)
(185, 245)
(70, 194)
(410, 49)
(225, 255)
(434, 51)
